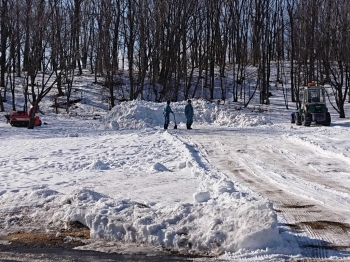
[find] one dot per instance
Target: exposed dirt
(35, 239)
(48, 246)
(40, 241)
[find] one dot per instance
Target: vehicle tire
(298, 119)
(292, 118)
(307, 120)
(327, 122)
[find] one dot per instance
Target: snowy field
(128, 180)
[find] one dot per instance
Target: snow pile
(226, 118)
(222, 221)
(135, 115)
(141, 114)
(226, 115)
(240, 223)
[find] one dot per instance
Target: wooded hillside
(172, 47)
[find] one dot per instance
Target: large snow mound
(194, 226)
(141, 114)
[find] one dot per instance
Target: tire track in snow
(278, 171)
(297, 212)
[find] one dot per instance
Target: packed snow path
(305, 176)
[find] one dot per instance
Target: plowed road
(299, 170)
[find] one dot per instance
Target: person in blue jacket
(189, 114)
(166, 113)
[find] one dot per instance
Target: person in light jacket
(189, 114)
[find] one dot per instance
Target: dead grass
(63, 238)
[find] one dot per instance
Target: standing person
(189, 114)
(166, 113)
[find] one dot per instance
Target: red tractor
(21, 119)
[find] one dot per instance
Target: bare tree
(37, 59)
(290, 6)
(4, 33)
(333, 46)
(75, 31)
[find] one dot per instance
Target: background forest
(175, 49)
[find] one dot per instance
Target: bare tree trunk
(76, 35)
(130, 45)
(4, 37)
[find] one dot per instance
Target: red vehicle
(21, 119)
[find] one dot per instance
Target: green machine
(313, 107)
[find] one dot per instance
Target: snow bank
(194, 227)
(141, 114)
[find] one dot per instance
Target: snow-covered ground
(123, 176)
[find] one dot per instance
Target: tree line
(175, 48)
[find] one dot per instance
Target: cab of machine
(314, 94)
